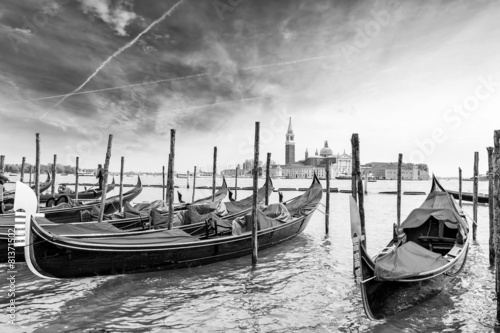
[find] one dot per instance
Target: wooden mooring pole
(22, 169)
(214, 173)
(491, 207)
(76, 177)
(2, 164)
(194, 183)
(31, 173)
(105, 178)
(327, 205)
(255, 241)
(171, 181)
(460, 186)
(366, 182)
(475, 195)
(188, 179)
(163, 182)
(168, 179)
(496, 204)
(37, 170)
(122, 166)
(357, 182)
(54, 171)
(400, 176)
(268, 176)
(236, 182)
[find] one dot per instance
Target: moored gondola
(89, 194)
(8, 199)
(192, 219)
(52, 255)
(425, 254)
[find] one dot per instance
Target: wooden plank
(122, 166)
(194, 183)
(22, 169)
(327, 205)
(54, 171)
(496, 204)
(491, 208)
(475, 194)
(105, 177)
(214, 173)
(37, 170)
(460, 186)
(255, 244)
(268, 176)
(76, 177)
(357, 178)
(398, 211)
(171, 181)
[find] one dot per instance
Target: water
(302, 285)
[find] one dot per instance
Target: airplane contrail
(117, 53)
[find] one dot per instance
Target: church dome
(325, 151)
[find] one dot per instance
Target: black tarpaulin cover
(406, 261)
(80, 229)
(164, 237)
(307, 201)
(197, 213)
(441, 206)
(240, 205)
(272, 216)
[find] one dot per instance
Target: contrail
(117, 53)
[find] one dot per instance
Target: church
(340, 164)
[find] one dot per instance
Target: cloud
(117, 15)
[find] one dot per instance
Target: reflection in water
(305, 284)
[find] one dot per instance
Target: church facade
(340, 164)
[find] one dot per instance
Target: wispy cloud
(117, 14)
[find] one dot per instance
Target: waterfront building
(290, 145)
(389, 171)
(340, 164)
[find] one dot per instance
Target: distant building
(232, 172)
(340, 164)
(276, 171)
(290, 144)
(389, 171)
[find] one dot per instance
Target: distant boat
(181, 175)
(13, 174)
(86, 173)
(343, 176)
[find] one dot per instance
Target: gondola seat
(435, 238)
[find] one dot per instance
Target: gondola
(137, 219)
(467, 196)
(191, 217)
(426, 253)
(8, 198)
(76, 212)
(54, 256)
(89, 194)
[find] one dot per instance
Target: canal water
(303, 285)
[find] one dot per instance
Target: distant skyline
(417, 78)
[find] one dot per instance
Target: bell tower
(290, 145)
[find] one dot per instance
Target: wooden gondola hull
(60, 262)
(383, 299)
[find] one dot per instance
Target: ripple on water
(305, 284)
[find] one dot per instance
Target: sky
(419, 78)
